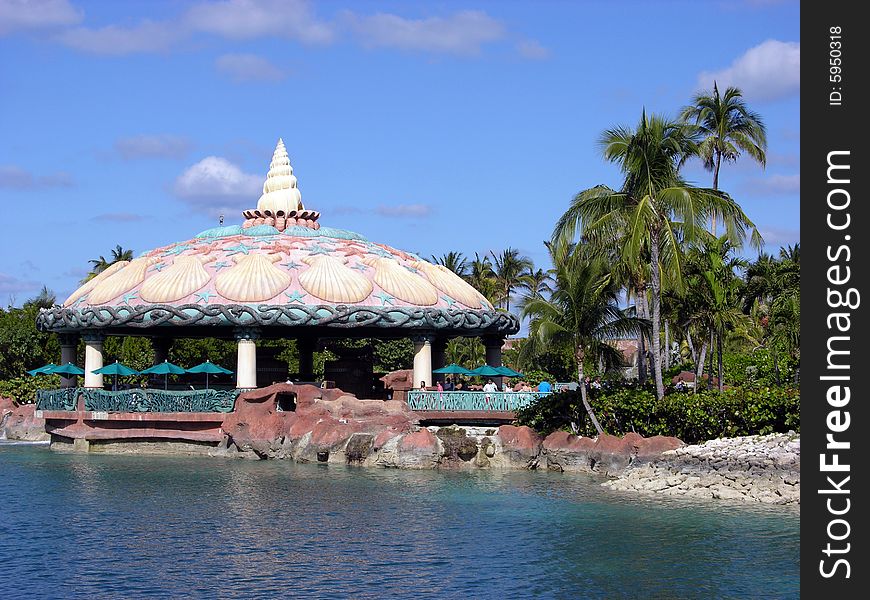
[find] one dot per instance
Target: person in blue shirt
(545, 386)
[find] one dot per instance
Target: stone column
(161, 348)
(422, 361)
(246, 365)
(306, 347)
(439, 352)
(493, 346)
(93, 359)
(69, 343)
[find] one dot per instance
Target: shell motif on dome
(329, 279)
(122, 281)
(254, 278)
(92, 283)
(450, 283)
(279, 191)
(185, 276)
(402, 283)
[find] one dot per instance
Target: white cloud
(247, 19)
(16, 178)
(462, 33)
(152, 146)
(249, 67)
(405, 210)
(217, 185)
(533, 50)
(114, 40)
(774, 184)
(769, 71)
(29, 15)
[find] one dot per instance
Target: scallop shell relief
(254, 278)
(184, 277)
(329, 279)
(402, 283)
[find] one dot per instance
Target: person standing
(545, 387)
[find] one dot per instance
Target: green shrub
(691, 417)
(23, 389)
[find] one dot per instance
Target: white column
(246, 365)
(93, 361)
(422, 361)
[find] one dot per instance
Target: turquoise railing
(139, 400)
(501, 401)
(60, 399)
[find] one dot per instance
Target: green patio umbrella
(164, 368)
(43, 370)
(67, 369)
(508, 372)
(487, 371)
(115, 369)
(209, 367)
(454, 369)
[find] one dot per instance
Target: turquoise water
(98, 526)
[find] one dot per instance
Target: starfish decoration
(295, 297)
(221, 265)
(360, 267)
(240, 248)
(351, 251)
(158, 267)
(130, 296)
(385, 298)
(205, 248)
(318, 249)
(411, 269)
(291, 265)
(280, 248)
(380, 252)
(204, 296)
(178, 249)
(80, 300)
(450, 301)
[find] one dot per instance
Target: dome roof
(258, 275)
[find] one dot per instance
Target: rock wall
(335, 427)
(750, 469)
(20, 422)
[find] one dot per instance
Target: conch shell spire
(279, 190)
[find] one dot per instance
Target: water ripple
(99, 526)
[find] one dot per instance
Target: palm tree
(455, 261)
(508, 268)
(101, 264)
(481, 277)
(655, 212)
(727, 127)
(583, 314)
(535, 282)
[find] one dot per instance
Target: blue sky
(429, 126)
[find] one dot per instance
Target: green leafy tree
(455, 261)
(508, 268)
(100, 264)
(582, 314)
(726, 127)
(655, 211)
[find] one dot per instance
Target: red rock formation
(21, 422)
(607, 454)
(520, 446)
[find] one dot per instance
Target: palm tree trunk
(710, 371)
(666, 355)
(656, 289)
(691, 346)
(719, 353)
(641, 339)
(716, 184)
(699, 366)
(579, 355)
